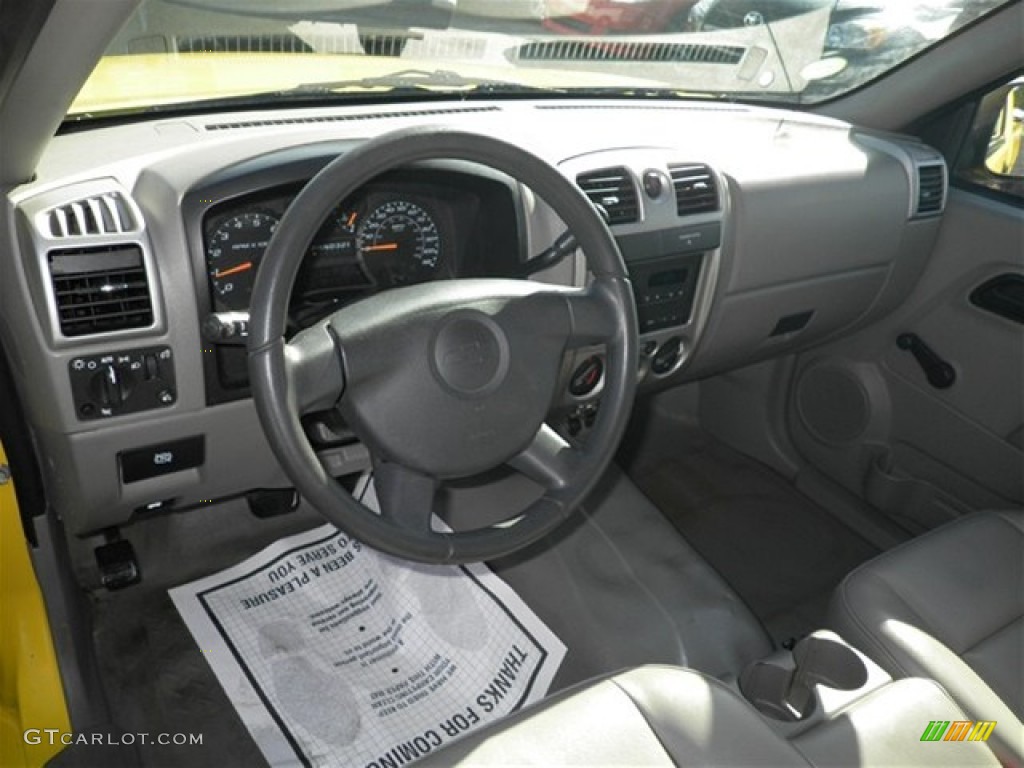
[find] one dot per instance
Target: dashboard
(126, 316)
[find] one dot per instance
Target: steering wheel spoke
(406, 496)
(315, 375)
(548, 460)
(594, 320)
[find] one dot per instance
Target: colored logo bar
(958, 730)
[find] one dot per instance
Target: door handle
(939, 373)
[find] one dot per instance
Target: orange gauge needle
(381, 247)
(233, 270)
(352, 219)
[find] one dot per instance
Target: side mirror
(1004, 156)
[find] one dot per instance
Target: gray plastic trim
(914, 156)
(38, 211)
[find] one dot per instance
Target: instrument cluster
(406, 227)
(386, 236)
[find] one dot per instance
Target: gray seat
(949, 605)
(648, 716)
(671, 717)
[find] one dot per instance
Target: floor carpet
(781, 553)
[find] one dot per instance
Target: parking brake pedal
(117, 564)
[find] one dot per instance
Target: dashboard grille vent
(98, 215)
(931, 189)
(588, 50)
(612, 189)
(696, 191)
(99, 290)
(241, 44)
(314, 119)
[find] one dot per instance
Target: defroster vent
(100, 290)
(613, 190)
(696, 191)
(98, 215)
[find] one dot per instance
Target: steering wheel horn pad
(451, 378)
(445, 379)
(470, 354)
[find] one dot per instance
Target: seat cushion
(949, 605)
(649, 716)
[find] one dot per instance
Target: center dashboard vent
(696, 190)
(100, 290)
(931, 190)
(613, 190)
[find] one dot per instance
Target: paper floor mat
(334, 654)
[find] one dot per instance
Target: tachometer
(233, 253)
(399, 242)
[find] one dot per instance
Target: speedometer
(399, 242)
(233, 253)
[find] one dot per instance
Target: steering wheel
(446, 379)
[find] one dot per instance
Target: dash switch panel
(116, 383)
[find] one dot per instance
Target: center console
(837, 707)
(842, 711)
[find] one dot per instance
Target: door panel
(863, 411)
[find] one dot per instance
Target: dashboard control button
(587, 376)
(226, 327)
(161, 459)
(126, 381)
(667, 356)
(654, 184)
(112, 385)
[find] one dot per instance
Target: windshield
(178, 54)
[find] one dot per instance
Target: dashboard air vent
(98, 215)
(931, 190)
(696, 191)
(612, 189)
(99, 290)
(668, 53)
